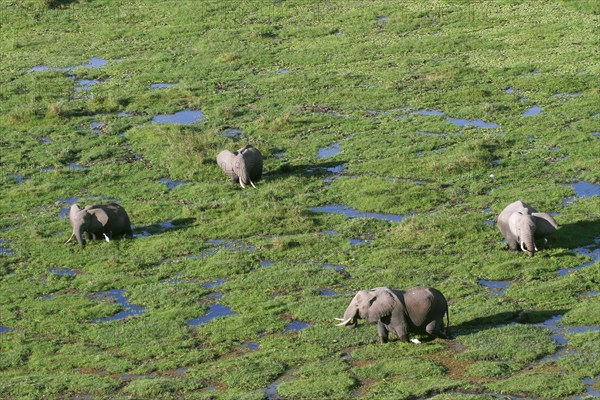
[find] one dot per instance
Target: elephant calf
(244, 165)
(106, 220)
(417, 310)
(521, 224)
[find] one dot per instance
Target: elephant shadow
(322, 169)
(502, 319)
(162, 227)
(577, 234)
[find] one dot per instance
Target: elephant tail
(448, 334)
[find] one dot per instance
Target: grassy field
(420, 121)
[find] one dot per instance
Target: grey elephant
(106, 220)
(244, 165)
(417, 310)
(521, 224)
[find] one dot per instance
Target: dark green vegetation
(295, 76)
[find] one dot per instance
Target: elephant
(520, 224)
(244, 165)
(108, 220)
(417, 310)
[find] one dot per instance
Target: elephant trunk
(350, 317)
(79, 236)
(527, 244)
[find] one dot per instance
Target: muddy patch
(118, 296)
(351, 213)
(184, 117)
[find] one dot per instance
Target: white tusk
(106, 237)
(535, 247)
(242, 184)
(339, 319)
(252, 183)
(523, 246)
(72, 234)
(416, 341)
(344, 322)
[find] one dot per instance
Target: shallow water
(297, 326)
(535, 110)
(250, 345)
(586, 189)
(233, 133)
(6, 251)
(212, 284)
(327, 292)
(351, 213)
(509, 90)
(283, 71)
(265, 264)
(356, 242)
(472, 122)
(592, 250)
(45, 140)
(85, 84)
(171, 183)
(96, 127)
(590, 391)
(76, 166)
(4, 329)
(118, 295)
(62, 271)
(180, 117)
(16, 177)
(332, 150)
(496, 287)
(214, 311)
(334, 267)
(158, 86)
(567, 95)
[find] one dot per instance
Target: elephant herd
(418, 310)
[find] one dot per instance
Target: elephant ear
(381, 304)
(545, 224)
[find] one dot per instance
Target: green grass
(295, 76)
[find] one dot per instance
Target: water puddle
(265, 264)
(180, 117)
(158, 86)
(4, 329)
(16, 177)
(45, 140)
(559, 333)
(462, 122)
(212, 284)
(351, 213)
(96, 127)
(327, 292)
(358, 242)
(535, 110)
(497, 288)
(171, 183)
(283, 71)
(297, 326)
(586, 189)
(429, 133)
(382, 19)
(233, 133)
(76, 167)
(509, 90)
(567, 95)
(214, 311)
(591, 250)
(85, 84)
(62, 271)
(590, 391)
(325, 152)
(94, 62)
(6, 251)
(118, 296)
(472, 122)
(250, 345)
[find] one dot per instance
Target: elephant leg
(436, 329)
(513, 244)
(383, 332)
